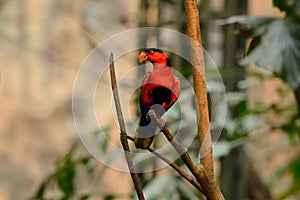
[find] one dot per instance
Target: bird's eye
(151, 51)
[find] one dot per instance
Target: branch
(123, 135)
(199, 83)
(211, 187)
(198, 172)
(208, 186)
(174, 166)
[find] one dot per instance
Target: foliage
(67, 168)
(274, 43)
(250, 122)
(292, 168)
(64, 176)
(274, 47)
(290, 7)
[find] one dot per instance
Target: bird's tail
(145, 133)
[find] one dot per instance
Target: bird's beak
(143, 57)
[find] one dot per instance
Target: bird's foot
(152, 116)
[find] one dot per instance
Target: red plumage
(159, 92)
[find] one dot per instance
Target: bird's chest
(157, 87)
(164, 78)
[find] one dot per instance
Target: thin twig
(199, 174)
(174, 166)
(183, 153)
(207, 184)
(123, 135)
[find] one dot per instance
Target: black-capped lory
(159, 91)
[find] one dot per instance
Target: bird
(159, 91)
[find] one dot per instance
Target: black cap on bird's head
(155, 56)
(152, 50)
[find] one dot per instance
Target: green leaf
(103, 138)
(295, 169)
(42, 188)
(292, 168)
(109, 197)
(84, 197)
(88, 162)
(65, 176)
(292, 128)
(241, 107)
(290, 7)
(291, 191)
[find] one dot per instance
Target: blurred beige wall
(42, 45)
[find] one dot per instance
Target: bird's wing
(174, 95)
(146, 90)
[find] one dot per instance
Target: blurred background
(43, 44)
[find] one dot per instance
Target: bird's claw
(151, 115)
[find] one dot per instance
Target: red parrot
(159, 92)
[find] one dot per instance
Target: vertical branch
(199, 81)
(123, 136)
(211, 187)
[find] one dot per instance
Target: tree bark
(209, 183)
